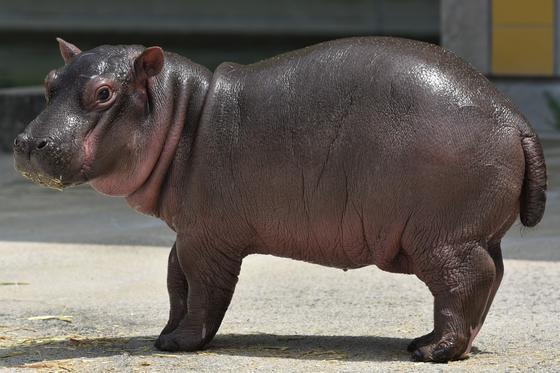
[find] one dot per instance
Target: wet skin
(355, 152)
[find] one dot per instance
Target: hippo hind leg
(495, 253)
(462, 278)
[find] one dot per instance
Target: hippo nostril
(41, 144)
(20, 142)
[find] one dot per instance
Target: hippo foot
(174, 342)
(420, 342)
(439, 351)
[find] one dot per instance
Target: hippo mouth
(53, 182)
(47, 181)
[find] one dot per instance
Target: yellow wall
(523, 37)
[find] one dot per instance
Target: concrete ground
(82, 288)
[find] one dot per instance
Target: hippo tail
(533, 197)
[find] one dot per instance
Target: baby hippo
(354, 152)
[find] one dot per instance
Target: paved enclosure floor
(82, 288)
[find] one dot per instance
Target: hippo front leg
(211, 275)
(178, 290)
(461, 277)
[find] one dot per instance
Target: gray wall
(215, 16)
(465, 29)
(208, 31)
(18, 106)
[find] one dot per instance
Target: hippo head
(99, 123)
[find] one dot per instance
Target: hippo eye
(103, 94)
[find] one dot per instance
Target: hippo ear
(67, 50)
(149, 63)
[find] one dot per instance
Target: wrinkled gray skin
(349, 153)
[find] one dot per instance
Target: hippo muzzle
(47, 159)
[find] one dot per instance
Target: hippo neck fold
(186, 90)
